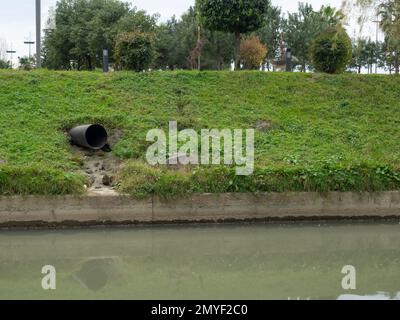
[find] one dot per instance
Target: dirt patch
(100, 168)
(263, 125)
(115, 136)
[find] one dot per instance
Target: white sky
(17, 17)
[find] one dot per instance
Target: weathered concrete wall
(98, 210)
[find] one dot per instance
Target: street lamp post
(30, 43)
(289, 60)
(11, 52)
(38, 33)
(105, 61)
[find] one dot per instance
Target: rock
(89, 154)
(107, 180)
(107, 148)
(115, 136)
(263, 125)
(91, 180)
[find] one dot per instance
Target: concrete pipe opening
(93, 136)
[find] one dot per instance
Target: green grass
(327, 132)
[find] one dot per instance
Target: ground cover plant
(313, 132)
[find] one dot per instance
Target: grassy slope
(336, 132)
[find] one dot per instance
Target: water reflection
(204, 262)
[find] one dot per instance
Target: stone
(263, 125)
(107, 180)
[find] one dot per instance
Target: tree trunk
(89, 60)
(199, 41)
(396, 64)
(237, 50)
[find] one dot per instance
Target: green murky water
(203, 262)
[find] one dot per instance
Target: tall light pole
(30, 43)
(11, 52)
(38, 33)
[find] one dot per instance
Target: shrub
(134, 50)
(252, 53)
(331, 51)
(4, 64)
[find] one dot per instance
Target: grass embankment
(316, 132)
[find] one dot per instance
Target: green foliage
(331, 51)
(140, 180)
(134, 51)
(302, 27)
(235, 16)
(176, 40)
(317, 121)
(271, 33)
(39, 181)
(366, 53)
(27, 63)
(389, 11)
(83, 28)
(4, 64)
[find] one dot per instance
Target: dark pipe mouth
(96, 136)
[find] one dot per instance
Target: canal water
(252, 261)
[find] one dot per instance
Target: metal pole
(38, 34)
(105, 60)
(288, 60)
(198, 42)
(30, 43)
(11, 52)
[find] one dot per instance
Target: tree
(271, 34)
(301, 28)
(81, 29)
(390, 24)
(388, 11)
(218, 50)
(234, 16)
(27, 63)
(331, 51)
(359, 54)
(252, 53)
(178, 47)
(372, 54)
(166, 45)
(4, 64)
(134, 50)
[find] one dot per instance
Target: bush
(252, 53)
(4, 64)
(134, 50)
(331, 51)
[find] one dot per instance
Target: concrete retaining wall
(34, 211)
